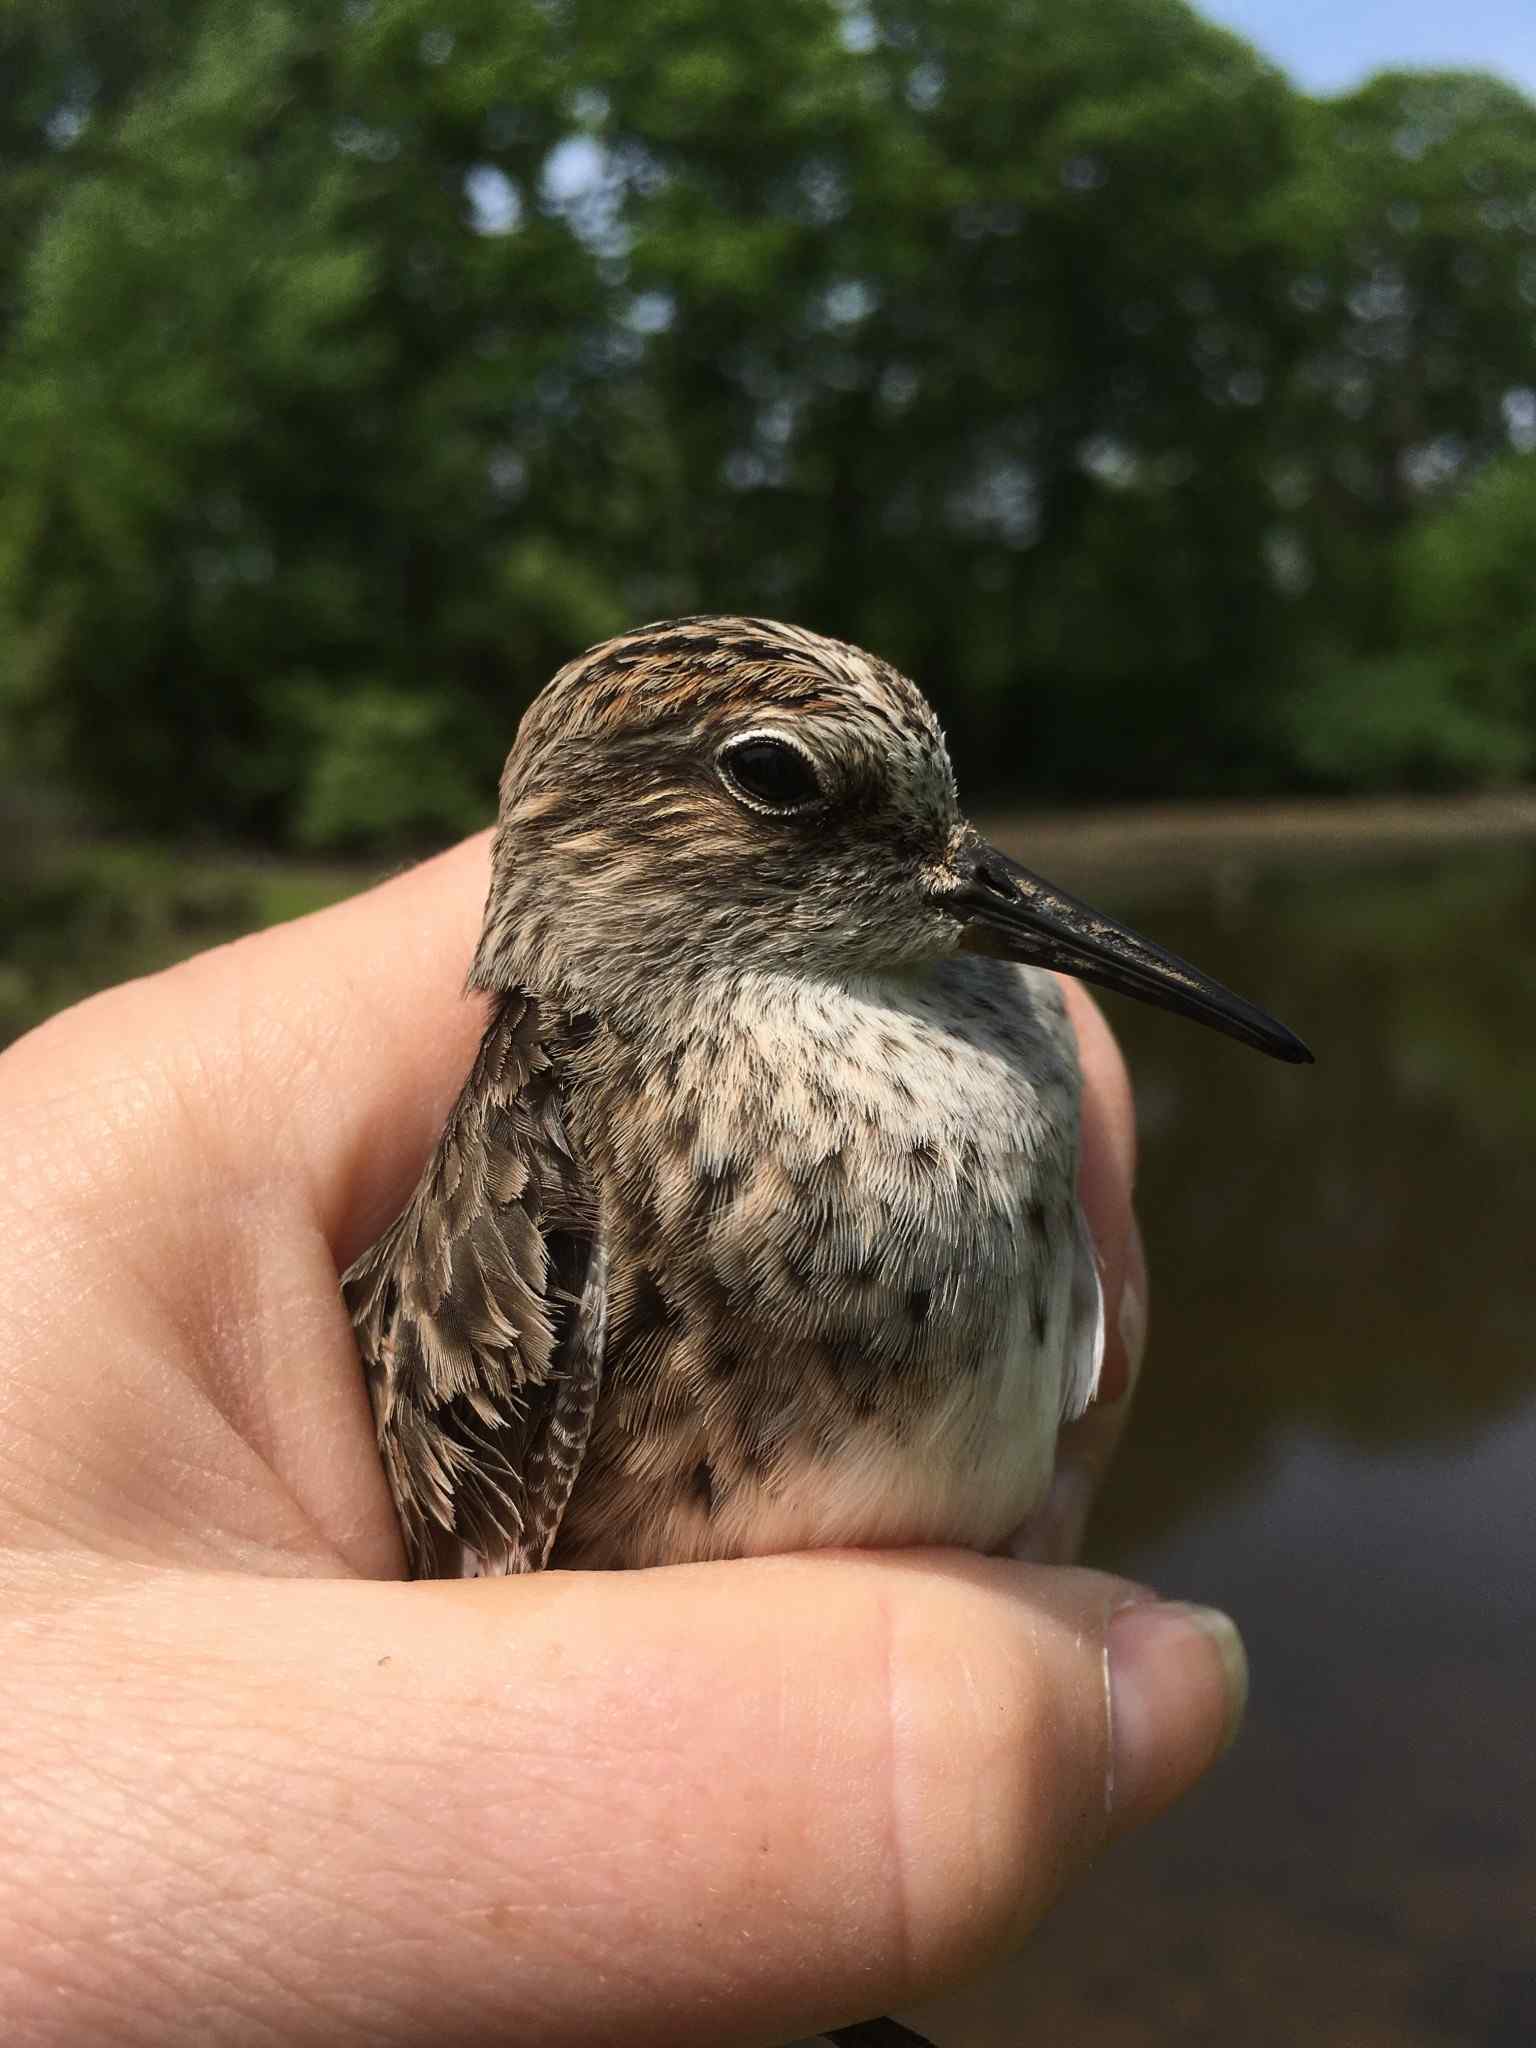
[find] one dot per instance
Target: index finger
(315, 1060)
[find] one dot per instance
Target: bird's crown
(714, 667)
(718, 764)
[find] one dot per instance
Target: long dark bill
(1014, 915)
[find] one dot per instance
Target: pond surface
(1336, 1442)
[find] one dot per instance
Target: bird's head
(719, 796)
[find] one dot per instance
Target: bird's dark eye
(770, 773)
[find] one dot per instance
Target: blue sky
(1327, 45)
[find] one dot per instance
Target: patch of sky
(1002, 500)
(1109, 461)
(1519, 408)
(580, 183)
(925, 86)
(846, 303)
(651, 312)
(495, 204)
(1433, 464)
(66, 124)
(858, 30)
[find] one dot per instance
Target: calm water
(1336, 1442)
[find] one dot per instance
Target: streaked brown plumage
(754, 1226)
(466, 1301)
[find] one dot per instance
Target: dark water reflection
(1336, 1442)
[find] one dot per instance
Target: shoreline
(1170, 833)
(1170, 836)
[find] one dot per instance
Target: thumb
(735, 1801)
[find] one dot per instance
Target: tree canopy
(360, 362)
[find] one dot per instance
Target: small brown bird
(754, 1227)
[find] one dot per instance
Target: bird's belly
(821, 1444)
(967, 1466)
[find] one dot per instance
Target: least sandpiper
(754, 1227)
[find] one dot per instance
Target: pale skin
(256, 1789)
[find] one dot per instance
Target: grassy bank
(81, 915)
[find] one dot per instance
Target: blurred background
(1159, 388)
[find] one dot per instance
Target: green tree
(358, 362)
(1454, 704)
(1412, 226)
(280, 401)
(966, 353)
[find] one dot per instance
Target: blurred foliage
(359, 362)
(78, 917)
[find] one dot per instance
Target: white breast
(950, 1105)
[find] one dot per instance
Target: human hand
(256, 1789)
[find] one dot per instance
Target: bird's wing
(1085, 1325)
(480, 1315)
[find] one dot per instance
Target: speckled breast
(841, 1232)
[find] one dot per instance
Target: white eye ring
(764, 806)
